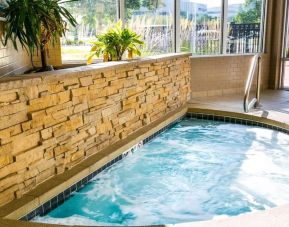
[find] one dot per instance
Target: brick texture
(224, 75)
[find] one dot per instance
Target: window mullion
(121, 10)
(263, 26)
(177, 25)
(224, 23)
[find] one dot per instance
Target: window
(200, 28)
(93, 17)
(244, 26)
(154, 20)
(203, 27)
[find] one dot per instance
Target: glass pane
(286, 74)
(244, 26)
(153, 19)
(285, 63)
(93, 17)
(201, 26)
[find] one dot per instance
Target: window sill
(224, 55)
(78, 62)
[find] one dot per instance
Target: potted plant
(34, 24)
(115, 42)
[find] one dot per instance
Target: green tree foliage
(131, 5)
(97, 12)
(93, 13)
(250, 12)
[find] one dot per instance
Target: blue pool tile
(39, 211)
(60, 198)
(84, 181)
(54, 203)
(66, 193)
(73, 188)
(47, 207)
(31, 215)
(78, 185)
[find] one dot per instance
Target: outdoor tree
(131, 5)
(93, 14)
(250, 12)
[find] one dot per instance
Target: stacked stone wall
(51, 122)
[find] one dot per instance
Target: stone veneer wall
(224, 75)
(50, 122)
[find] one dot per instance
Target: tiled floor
(274, 104)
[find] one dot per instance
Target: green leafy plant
(34, 24)
(115, 42)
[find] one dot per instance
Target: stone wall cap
(11, 82)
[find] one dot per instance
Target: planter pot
(130, 54)
(105, 57)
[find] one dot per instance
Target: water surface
(197, 170)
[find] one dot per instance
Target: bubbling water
(197, 170)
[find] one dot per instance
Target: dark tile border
(65, 195)
(235, 120)
(154, 135)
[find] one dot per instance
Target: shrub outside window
(154, 20)
(202, 27)
(93, 17)
(244, 26)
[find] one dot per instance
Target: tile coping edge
(101, 67)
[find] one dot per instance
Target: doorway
(285, 52)
(285, 82)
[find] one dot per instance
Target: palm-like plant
(115, 42)
(131, 42)
(34, 23)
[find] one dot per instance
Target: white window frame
(121, 10)
(120, 4)
(177, 27)
(224, 22)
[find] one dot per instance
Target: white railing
(255, 102)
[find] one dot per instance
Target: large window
(202, 27)
(154, 20)
(93, 17)
(244, 26)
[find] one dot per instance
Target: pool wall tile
(235, 120)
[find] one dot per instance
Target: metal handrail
(255, 102)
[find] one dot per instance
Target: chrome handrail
(255, 101)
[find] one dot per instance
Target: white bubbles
(198, 170)
(73, 220)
